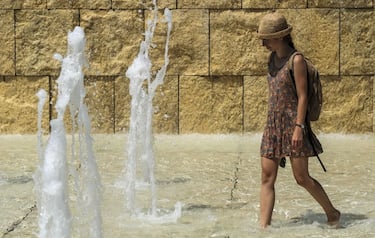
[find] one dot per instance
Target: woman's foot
(333, 219)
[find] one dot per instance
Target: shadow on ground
(346, 220)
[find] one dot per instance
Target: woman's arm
(300, 78)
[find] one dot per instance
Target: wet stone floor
(214, 177)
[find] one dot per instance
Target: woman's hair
(288, 39)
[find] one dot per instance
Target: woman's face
(271, 44)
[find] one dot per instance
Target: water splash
(140, 142)
(55, 219)
(42, 97)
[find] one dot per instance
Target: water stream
(52, 175)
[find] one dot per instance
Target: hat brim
(276, 35)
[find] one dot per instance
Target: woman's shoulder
(298, 63)
(298, 58)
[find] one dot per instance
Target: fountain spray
(142, 90)
(55, 218)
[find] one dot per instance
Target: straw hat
(273, 26)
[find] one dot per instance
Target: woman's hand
(297, 138)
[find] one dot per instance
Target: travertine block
(7, 41)
(316, 34)
(7, 4)
(99, 100)
(142, 4)
(209, 4)
(165, 106)
(85, 4)
(122, 104)
(127, 4)
(234, 46)
(357, 42)
(255, 103)
(39, 35)
(341, 3)
(210, 41)
(347, 105)
(23, 4)
(113, 39)
(188, 47)
(272, 4)
(211, 105)
(19, 104)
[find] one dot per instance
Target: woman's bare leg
(301, 174)
(267, 191)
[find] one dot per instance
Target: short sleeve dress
(281, 118)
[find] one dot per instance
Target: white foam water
(51, 178)
(140, 143)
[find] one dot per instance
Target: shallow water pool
(216, 178)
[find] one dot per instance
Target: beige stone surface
(211, 105)
(188, 47)
(316, 34)
(99, 100)
(83, 4)
(255, 103)
(6, 4)
(23, 4)
(7, 41)
(126, 4)
(122, 104)
(234, 46)
(216, 74)
(19, 104)
(165, 104)
(273, 4)
(347, 105)
(341, 3)
(39, 35)
(140, 4)
(166, 107)
(113, 39)
(357, 42)
(209, 4)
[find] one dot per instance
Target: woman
(287, 127)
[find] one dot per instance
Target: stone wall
(216, 77)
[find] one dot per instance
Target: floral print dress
(281, 118)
